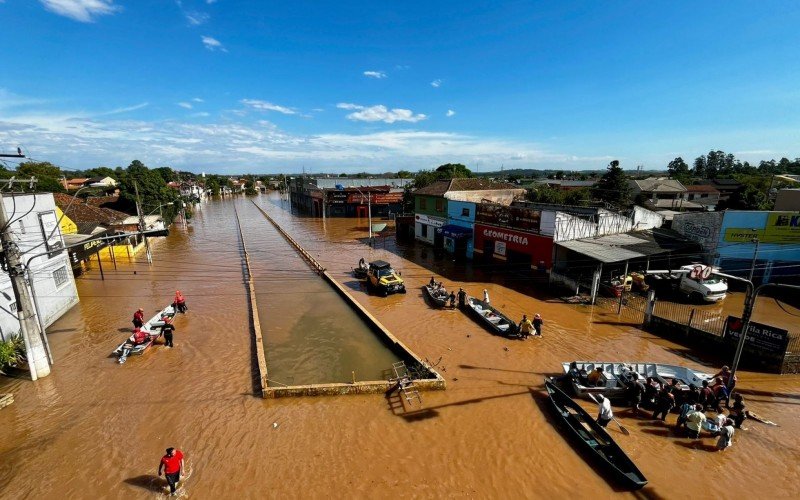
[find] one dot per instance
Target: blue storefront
(767, 242)
(457, 233)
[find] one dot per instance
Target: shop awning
(455, 232)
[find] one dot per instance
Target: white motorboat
(617, 376)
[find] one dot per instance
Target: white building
(34, 227)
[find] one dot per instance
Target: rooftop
(657, 185)
(702, 188)
(439, 188)
(633, 245)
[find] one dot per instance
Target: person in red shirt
(138, 318)
(172, 464)
(139, 336)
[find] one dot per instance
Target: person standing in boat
(486, 295)
(432, 283)
(595, 378)
(537, 324)
(605, 414)
(138, 318)
(180, 302)
(525, 327)
(167, 330)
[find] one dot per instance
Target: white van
(701, 284)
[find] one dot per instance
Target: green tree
(679, 170)
(153, 191)
(543, 193)
(699, 169)
(48, 176)
(404, 174)
(454, 170)
(613, 186)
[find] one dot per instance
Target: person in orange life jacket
(138, 318)
(180, 302)
(172, 464)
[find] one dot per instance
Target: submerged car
(382, 279)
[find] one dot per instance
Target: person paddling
(172, 465)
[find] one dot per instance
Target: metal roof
(627, 246)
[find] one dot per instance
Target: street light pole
(141, 223)
(369, 213)
(755, 257)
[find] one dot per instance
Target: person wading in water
(172, 464)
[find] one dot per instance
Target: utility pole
(142, 228)
(38, 360)
(755, 257)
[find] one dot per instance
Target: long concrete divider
(430, 381)
(256, 321)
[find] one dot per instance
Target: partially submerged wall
(429, 379)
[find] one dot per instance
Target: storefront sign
(503, 240)
(781, 227)
(430, 221)
(764, 338)
(376, 198)
(515, 217)
(337, 197)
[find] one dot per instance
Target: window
(423, 231)
(60, 276)
(423, 203)
(440, 205)
(465, 212)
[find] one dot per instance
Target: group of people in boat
(139, 336)
(438, 290)
(691, 404)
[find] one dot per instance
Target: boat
(438, 298)
(618, 375)
(594, 439)
(153, 329)
(497, 322)
(360, 272)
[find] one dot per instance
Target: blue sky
(268, 86)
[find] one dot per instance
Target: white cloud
(211, 1)
(84, 11)
(213, 44)
(436, 83)
(197, 99)
(186, 105)
(380, 113)
(196, 18)
(201, 114)
(450, 113)
(375, 74)
(267, 106)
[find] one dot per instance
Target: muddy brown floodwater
(95, 429)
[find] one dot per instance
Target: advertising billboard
(780, 227)
(523, 218)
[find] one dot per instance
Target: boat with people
(617, 376)
(594, 439)
(497, 322)
(153, 330)
(437, 294)
(360, 272)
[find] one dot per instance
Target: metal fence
(688, 315)
(633, 306)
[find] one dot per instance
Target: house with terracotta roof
(705, 195)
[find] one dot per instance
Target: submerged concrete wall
(430, 381)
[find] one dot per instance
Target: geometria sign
(781, 227)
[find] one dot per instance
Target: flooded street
(95, 429)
